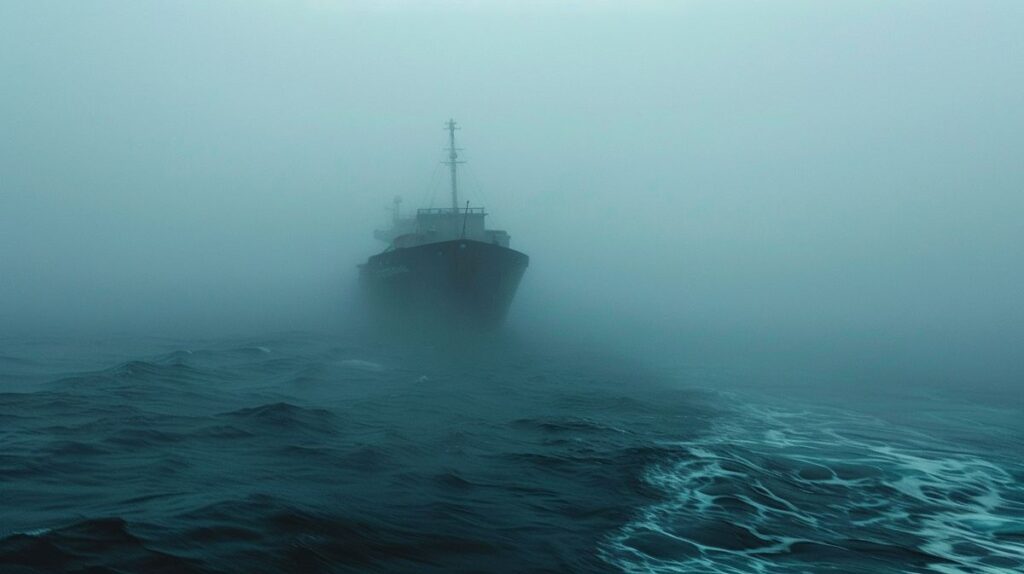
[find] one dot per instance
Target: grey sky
(757, 166)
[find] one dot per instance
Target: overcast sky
(746, 166)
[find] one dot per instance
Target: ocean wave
(136, 377)
(559, 425)
(776, 491)
(97, 545)
(284, 416)
(229, 459)
(292, 538)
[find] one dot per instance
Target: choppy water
(301, 453)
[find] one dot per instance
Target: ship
(442, 266)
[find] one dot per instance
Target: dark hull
(460, 282)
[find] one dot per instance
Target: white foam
(361, 364)
(913, 491)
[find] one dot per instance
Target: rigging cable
(431, 189)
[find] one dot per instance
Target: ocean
(312, 453)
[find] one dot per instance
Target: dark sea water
(314, 453)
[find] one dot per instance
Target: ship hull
(462, 283)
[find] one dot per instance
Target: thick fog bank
(787, 184)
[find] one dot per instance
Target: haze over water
(772, 320)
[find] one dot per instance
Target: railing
(450, 210)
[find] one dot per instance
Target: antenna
(452, 162)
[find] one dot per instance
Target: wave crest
(785, 491)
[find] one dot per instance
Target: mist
(693, 181)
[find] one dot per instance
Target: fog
(837, 181)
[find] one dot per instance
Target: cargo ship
(442, 266)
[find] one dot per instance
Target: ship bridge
(445, 224)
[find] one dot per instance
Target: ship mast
(452, 162)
